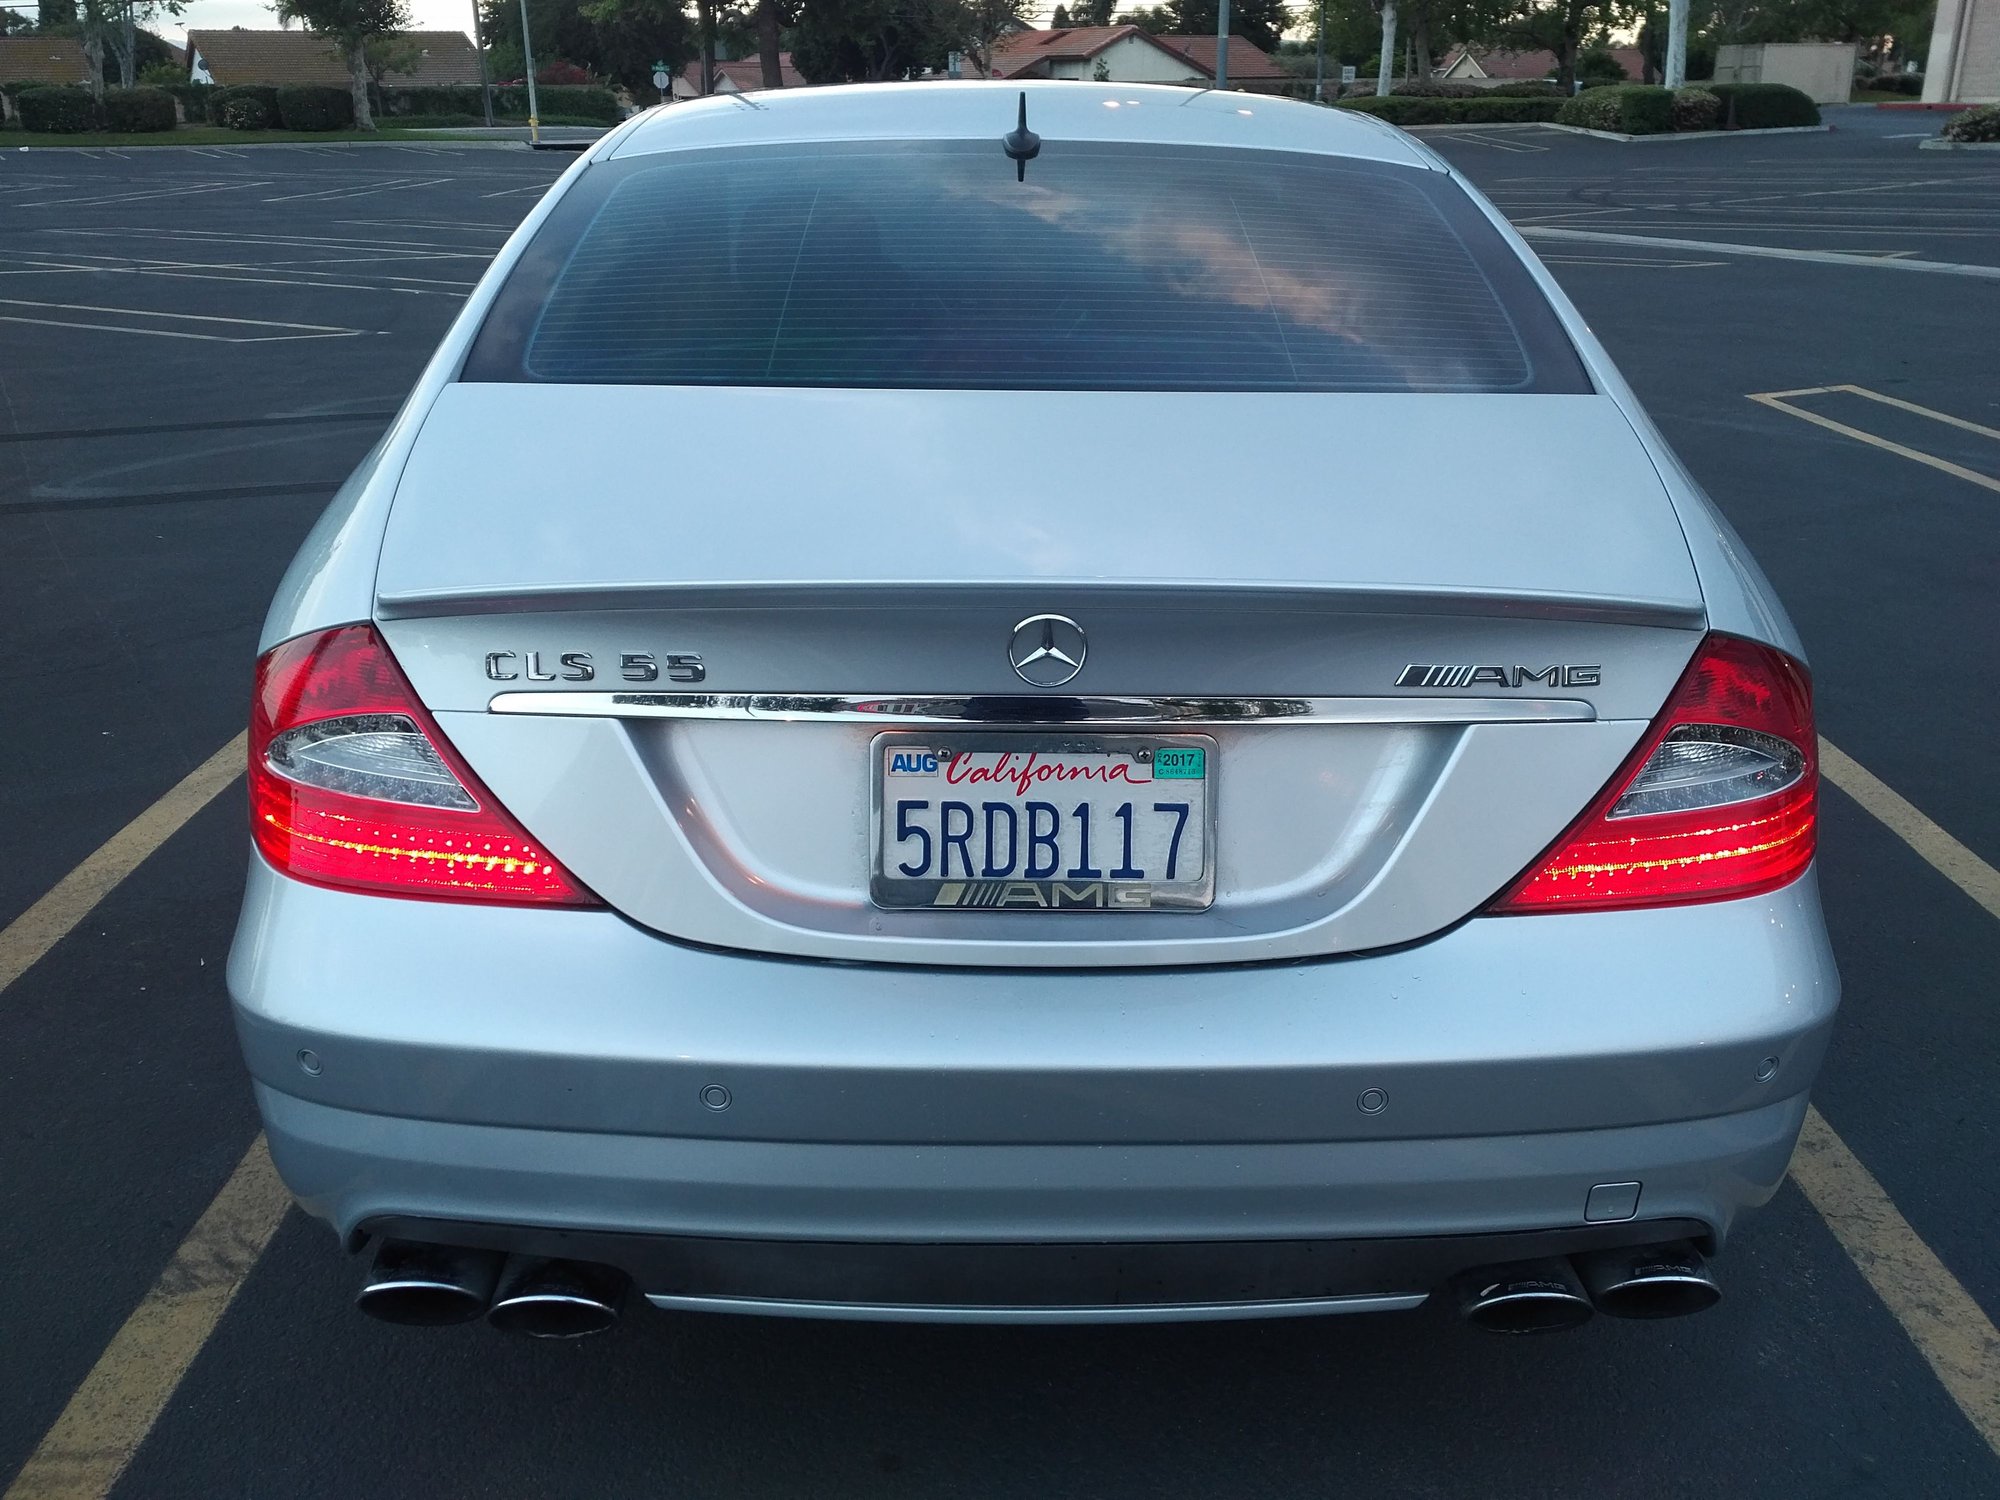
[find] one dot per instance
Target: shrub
(1696, 108)
(57, 109)
(1630, 109)
(1436, 88)
(1597, 65)
(315, 106)
(1975, 125)
(1401, 109)
(194, 99)
(244, 106)
(1763, 106)
(246, 112)
(139, 109)
(589, 103)
(1911, 84)
(1526, 89)
(561, 72)
(597, 106)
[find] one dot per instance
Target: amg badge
(1465, 675)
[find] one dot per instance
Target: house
(737, 76)
(1466, 66)
(1114, 54)
(43, 59)
(1250, 66)
(241, 55)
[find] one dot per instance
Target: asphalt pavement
(196, 346)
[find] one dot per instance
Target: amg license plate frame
(1127, 821)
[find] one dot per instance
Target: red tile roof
(746, 73)
(1532, 65)
(1019, 52)
(240, 55)
(1246, 59)
(42, 59)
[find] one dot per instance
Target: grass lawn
(204, 135)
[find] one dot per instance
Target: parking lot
(197, 345)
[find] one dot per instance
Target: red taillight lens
(1721, 798)
(351, 785)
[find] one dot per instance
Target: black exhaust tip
(557, 1299)
(427, 1286)
(1649, 1281)
(1537, 1296)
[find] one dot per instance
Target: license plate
(1024, 822)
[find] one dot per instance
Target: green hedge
(1526, 89)
(1763, 106)
(1628, 108)
(1975, 125)
(194, 98)
(579, 101)
(137, 110)
(1896, 83)
(244, 106)
(57, 110)
(1696, 108)
(315, 106)
(1436, 88)
(1401, 109)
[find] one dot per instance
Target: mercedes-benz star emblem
(1047, 650)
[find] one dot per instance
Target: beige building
(1964, 63)
(1822, 71)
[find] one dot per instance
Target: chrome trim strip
(1192, 1312)
(935, 710)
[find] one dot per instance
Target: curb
(1938, 145)
(1690, 135)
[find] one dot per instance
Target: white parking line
(1771, 252)
(179, 192)
(332, 195)
(292, 330)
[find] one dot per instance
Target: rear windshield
(1113, 267)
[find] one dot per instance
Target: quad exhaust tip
(1536, 1296)
(1649, 1281)
(556, 1299)
(427, 1286)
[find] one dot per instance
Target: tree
(1060, 19)
(1090, 13)
(1557, 26)
(975, 27)
(349, 25)
(868, 41)
(1157, 19)
(1260, 22)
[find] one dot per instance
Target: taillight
(1721, 798)
(351, 785)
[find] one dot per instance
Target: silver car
(1090, 703)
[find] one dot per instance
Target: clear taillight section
(1720, 800)
(352, 786)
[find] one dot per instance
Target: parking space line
(109, 1415)
(1938, 849)
(25, 939)
(1772, 252)
(1950, 1329)
(1781, 401)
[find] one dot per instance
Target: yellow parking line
(108, 1417)
(1779, 401)
(36, 930)
(1940, 850)
(1951, 1331)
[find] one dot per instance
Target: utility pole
(1222, 46)
(528, 57)
(1387, 64)
(1677, 43)
(1319, 66)
(485, 82)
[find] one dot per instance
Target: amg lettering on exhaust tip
(1467, 675)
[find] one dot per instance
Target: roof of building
(746, 73)
(1532, 65)
(1019, 51)
(241, 55)
(1246, 59)
(42, 59)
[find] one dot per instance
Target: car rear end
(1143, 738)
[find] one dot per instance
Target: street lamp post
(1677, 43)
(1319, 65)
(528, 57)
(1222, 46)
(485, 82)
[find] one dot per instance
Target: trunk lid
(864, 551)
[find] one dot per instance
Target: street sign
(660, 79)
(1347, 73)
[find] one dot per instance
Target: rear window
(1113, 267)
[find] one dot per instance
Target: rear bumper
(557, 1073)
